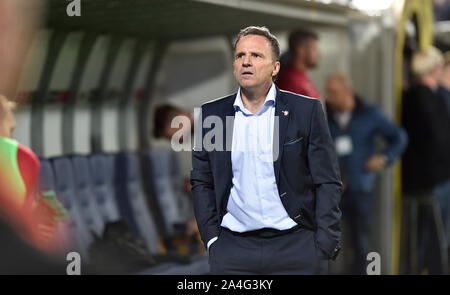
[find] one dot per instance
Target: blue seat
(65, 189)
(84, 196)
(132, 202)
(167, 187)
(46, 179)
(185, 202)
(102, 172)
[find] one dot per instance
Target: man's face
(186, 129)
(338, 96)
(312, 54)
(309, 53)
(254, 65)
(7, 121)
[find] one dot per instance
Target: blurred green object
(49, 197)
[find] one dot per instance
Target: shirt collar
(270, 99)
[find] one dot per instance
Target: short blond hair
(423, 62)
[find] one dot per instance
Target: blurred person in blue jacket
(354, 126)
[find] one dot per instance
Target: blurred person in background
(37, 220)
(354, 126)
(425, 165)
(26, 224)
(444, 87)
(163, 117)
(18, 19)
(162, 128)
(304, 55)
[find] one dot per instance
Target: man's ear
(276, 69)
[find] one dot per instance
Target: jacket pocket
(294, 141)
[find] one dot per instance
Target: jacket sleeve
(324, 169)
(203, 193)
(394, 135)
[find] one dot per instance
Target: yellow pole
(423, 11)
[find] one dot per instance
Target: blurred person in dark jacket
(354, 126)
(426, 163)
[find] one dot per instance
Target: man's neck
(429, 82)
(253, 99)
(300, 65)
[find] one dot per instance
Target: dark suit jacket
(426, 161)
(306, 170)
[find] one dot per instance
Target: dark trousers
(356, 213)
(292, 253)
(429, 244)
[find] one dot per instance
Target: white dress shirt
(254, 201)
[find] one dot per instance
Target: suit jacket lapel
(228, 126)
(282, 111)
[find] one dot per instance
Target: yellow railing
(423, 11)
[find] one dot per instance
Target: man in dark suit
(425, 165)
(267, 197)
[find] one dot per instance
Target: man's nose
(246, 61)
